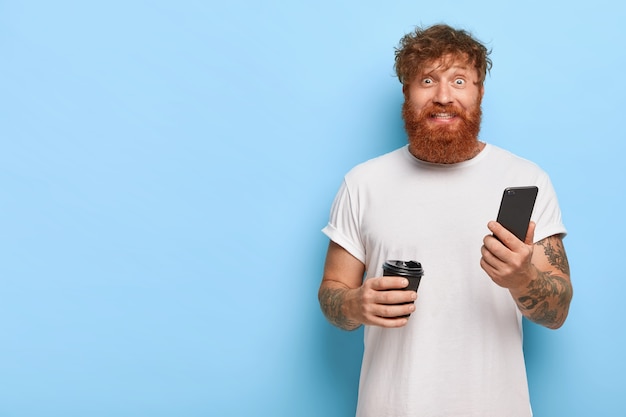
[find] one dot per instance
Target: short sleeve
(343, 226)
(547, 213)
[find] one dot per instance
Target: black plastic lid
(403, 267)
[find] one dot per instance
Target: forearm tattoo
(548, 297)
(331, 301)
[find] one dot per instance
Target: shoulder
(510, 161)
(503, 154)
(384, 164)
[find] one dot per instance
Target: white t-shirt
(461, 352)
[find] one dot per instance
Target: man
(459, 353)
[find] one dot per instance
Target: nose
(443, 94)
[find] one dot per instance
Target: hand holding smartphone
(516, 208)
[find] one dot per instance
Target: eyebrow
(432, 70)
(453, 67)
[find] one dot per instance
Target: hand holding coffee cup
(411, 270)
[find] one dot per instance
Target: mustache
(435, 108)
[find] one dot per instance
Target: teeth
(443, 115)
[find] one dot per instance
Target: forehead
(458, 63)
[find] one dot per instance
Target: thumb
(530, 233)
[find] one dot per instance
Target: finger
(489, 262)
(394, 310)
(389, 322)
(396, 296)
(484, 264)
(494, 251)
(388, 283)
(507, 238)
(387, 315)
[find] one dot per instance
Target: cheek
(417, 101)
(470, 101)
(417, 97)
(473, 98)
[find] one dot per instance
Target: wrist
(524, 283)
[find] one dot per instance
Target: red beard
(442, 144)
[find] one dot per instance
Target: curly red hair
(426, 45)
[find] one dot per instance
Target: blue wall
(166, 168)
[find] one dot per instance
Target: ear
(482, 91)
(405, 90)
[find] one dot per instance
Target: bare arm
(537, 276)
(348, 302)
(342, 273)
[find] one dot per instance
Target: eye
(459, 81)
(427, 81)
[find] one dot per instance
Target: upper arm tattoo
(555, 252)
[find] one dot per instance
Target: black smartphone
(516, 208)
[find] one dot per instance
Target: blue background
(166, 168)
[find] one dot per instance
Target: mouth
(443, 116)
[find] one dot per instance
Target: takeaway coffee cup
(410, 270)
